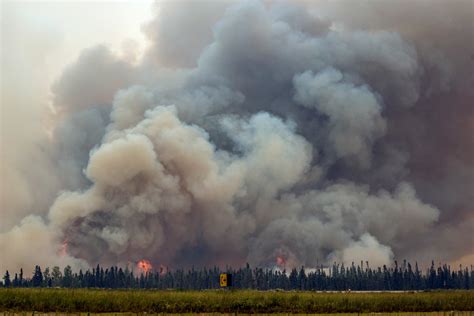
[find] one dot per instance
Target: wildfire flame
(280, 261)
(144, 266)
(63, 249)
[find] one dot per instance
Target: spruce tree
(15, 280)
(37, 279)
(302, 279)
(46, 277)
(56, 276)
(294, 279)
(6, 279)
(67, 277)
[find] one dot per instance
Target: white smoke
(367, 249)
(283, 132)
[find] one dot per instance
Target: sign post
(225, 280)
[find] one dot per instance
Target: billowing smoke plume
(308, 132)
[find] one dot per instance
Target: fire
(63, 249)
(280, 261)
(144, 266)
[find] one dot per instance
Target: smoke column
(261, 132)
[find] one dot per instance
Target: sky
(45, 36)
(40, 38)
(224, 132)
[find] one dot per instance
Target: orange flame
(63, 249)
(144, 266)
(280, 261)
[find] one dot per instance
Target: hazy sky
(47, 35)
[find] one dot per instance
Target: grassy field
(141, 301)
(452, 313)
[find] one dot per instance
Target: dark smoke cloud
(97, 71)
(313, 131)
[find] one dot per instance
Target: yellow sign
(223, 279)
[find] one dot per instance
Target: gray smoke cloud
(306, 131)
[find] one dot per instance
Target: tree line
(335, 278)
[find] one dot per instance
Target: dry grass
(148, 301)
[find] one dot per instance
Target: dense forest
(338, 277)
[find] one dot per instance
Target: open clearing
(17, 301)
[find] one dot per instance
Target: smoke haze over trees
(336, 278)
(253, 131)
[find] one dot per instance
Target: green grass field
(148, 301)
(444, 313)
(452, 313)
